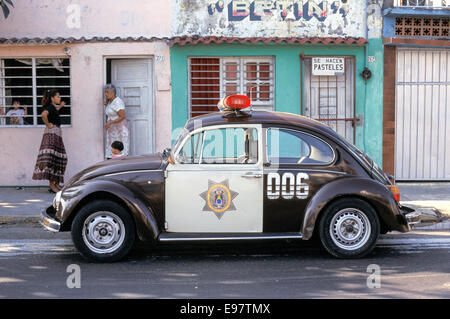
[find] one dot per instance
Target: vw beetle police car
(234, 175)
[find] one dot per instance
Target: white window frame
(241, 61)
(34, 87)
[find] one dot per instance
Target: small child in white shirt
(116, 149)
(16, 114)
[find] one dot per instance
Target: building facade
(417, 89)
(77, 48)
(322, 59)
(375, 71)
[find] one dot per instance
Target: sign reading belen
(328, 66)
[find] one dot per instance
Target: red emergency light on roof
(234, 103)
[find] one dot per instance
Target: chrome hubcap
(103, 232)
(350, 229)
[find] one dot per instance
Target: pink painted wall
(87, 18)
(84, 139)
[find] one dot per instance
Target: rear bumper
(48, 220)
(421, 216)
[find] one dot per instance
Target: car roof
(281, 119)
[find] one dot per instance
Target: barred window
(23, 82)
(210, 79)
(422, 3)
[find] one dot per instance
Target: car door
(297, 164)
(216, 184)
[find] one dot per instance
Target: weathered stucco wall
(87, 18)
(83, 139)
(269, 18)
(311, 19)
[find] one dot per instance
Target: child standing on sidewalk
(116, 149)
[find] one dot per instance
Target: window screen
(210, 79)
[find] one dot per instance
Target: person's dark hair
(118, 145)
(47, 96)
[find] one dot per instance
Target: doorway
(422, 114)
(133, 79)
(330, 99)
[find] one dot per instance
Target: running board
(165, 237)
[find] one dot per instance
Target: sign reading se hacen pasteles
(328, 66)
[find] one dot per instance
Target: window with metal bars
(25, 80)
(422, 3)
(331, 99)
(210, 79)
(422, 27)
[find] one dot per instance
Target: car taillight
(394, 190)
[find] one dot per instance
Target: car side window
(221, 146)
(230, 146)
(293, 147)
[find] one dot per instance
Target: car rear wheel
(103, 231)
(349, 228)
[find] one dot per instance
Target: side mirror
(167, 154)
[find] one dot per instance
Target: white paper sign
(328, 66)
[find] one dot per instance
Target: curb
(19, 220)
(444, 225)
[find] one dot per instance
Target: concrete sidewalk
(25, 204)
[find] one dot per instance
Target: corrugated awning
(254, 40)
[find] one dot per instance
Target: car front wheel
(103, 231)
(349, 228)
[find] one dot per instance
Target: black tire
(103, 231)
(349, 228)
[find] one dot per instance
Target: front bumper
(48, 220)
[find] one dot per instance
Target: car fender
(375, 193)
(73, 198)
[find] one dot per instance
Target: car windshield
(184, 132)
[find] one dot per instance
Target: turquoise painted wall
(373, 109)
(288, 81)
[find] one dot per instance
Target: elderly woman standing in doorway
(116, 126)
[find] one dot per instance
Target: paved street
(224, 120)
(34, 264)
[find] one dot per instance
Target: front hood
(130, 163)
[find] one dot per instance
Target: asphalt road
(37, 264)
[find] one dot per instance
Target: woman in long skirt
(52, 158)
(116, 126)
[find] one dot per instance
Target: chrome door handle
(252, 175)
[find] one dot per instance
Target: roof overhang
(181, 41)
(273, 40)
(72, 40)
